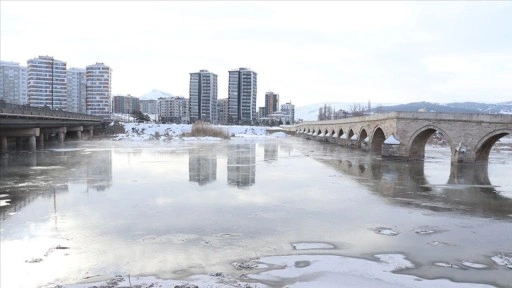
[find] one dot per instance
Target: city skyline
(389, 52)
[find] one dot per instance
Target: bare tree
(357, 109)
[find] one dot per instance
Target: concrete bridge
(32, 126)
(403, 135)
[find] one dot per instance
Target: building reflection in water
(25, 177)
(202, 166)
(270, 152)
(99, 170)
(467, 188)
(242, 165)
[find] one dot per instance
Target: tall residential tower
(76, 90)
(13, 83)
(271, 103)
(99, 95)
(203, 96)
(47, 83)
(242, 96)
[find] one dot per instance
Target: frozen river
(254, 213)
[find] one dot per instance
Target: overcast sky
(308, 52)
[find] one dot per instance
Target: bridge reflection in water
(467, 188)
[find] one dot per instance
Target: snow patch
(391, 140)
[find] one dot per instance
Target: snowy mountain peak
(155, 94)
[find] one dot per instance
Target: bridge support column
(77, 129)
(40, 139)
(18, 143)
(90, 129)
(62, 134)
(3, 144)
(32, 143)
(462, 153)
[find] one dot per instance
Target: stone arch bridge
(403, 135)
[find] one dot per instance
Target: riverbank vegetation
(204, 129)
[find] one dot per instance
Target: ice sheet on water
(303, 271)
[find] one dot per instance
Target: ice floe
(473, 265)
(312, 245)
(385, 231)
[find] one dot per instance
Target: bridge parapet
(9, 109)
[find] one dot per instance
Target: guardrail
(16, 109)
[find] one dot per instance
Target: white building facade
(99, 90)
(13, 83)
(47, 83)
(242, 90)
(149, 107)
(203, 96)
(76, 89)
(173, 110)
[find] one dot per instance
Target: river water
(99, 208)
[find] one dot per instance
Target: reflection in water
(99, 170)
(467, 189)
(270, 151)
(202, 166)
(25, 177)
(241, 165)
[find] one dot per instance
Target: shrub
(204, 129)
(115, 128)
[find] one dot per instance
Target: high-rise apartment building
(271, 103)
(222, 111)
(173, 110)
(47, 83)
(203, 96)
(289, 109)
(125, 104)
(13, 83)
(76, 90)
(98, 90)
(242, 91)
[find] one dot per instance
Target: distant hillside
(458, 107)
(154, 95)
(310, 112)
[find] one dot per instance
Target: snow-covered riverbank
(175, 132)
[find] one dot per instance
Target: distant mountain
(154, 95)
(310, 112)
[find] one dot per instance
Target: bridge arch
(362, 135)
(419, 139)
(350, 134)
(340, 132)
(332, 133)
(326, 133)
(378, 138)
(484, 146)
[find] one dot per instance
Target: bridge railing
(16, 109)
